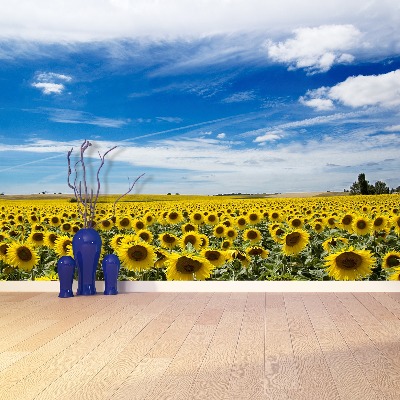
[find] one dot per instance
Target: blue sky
(203, 97)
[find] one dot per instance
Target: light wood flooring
(289, 346)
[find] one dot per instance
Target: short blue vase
(110, 265)
(66, 271)
(86, 246)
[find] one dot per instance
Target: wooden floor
(200, 346)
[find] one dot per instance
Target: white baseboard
(214, 286)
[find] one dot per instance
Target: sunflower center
(318, 227)
(212, 255)
(378, 221)
(24, 254)
(279, 232)
(292, 239)
(348, 260)
(173, 215)
(253, 217)
(67, 226)
(241, 221)
(361, 224)
(3, 249)
(190, 239)
(145, 236)
(187, 265)
(256, 251)
(106, 224)
(37, 236)
(168, 238)
(231, 233)
(66, 244)
(274, 215)
(219, 230)
(296, 222)
(139, 225)
(52, 237)
(331, 221)
(137, 253)
(252, 235)
(197, 217)
(212, 218)
(393, 261)
(124, 222)
(347, 219)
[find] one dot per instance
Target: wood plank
(314, 374)
(120, 369)
(178, 379)
(376, 367)
(347, 374)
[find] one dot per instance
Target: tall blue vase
(66, 271)
(110, 267)
(86, 246)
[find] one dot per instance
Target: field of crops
(213, 238)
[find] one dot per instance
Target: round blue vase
(86, 246)
(66, 271)
(111, 267)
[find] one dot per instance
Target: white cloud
(358, 91)
(316, 49)
(188, 165)
(393, 128)
(221, 136)
(240, 97)
(175, 120)
(50, 82)
(49, 88)
(271, 136)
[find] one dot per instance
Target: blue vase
(66, 271)
(86, 246)
(110, 266)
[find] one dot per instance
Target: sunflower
(63, 246)
(318, 227)
(240, 255)
(259, 251)
(3, 250)
(219, 231)
(395, 276)
(211, 219)
(124, 222)
(204, 241)
(215, 257)
(188, 227)
(187, 267)
(55, 220)
(275, 216)
(296, 223)
(145, 234)
(22, 256)
(173, 217)
(391, 259)
(362, 225)
(395, 223)
(295, 241)
(252, 235)
(161, 258)
(168, 240)
(191, 237)
(332, 242)
(226, 244)
(330, 222)
(253, 217)
(349, 264)
(66, 227)
(278, 234)
(379, 223)
(149, 219)
(241, 223)
(197, 218)
(137, 256)
(105, 224)
(50, 239)
(231, 233)
(37, 238)
(115, 242)
(346, 222)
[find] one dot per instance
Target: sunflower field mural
(211, 238)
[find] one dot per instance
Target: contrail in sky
(31, 162)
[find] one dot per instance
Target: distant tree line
(362, 186)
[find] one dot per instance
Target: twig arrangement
(87, 201)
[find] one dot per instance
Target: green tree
(363, 184)
(381, 188)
